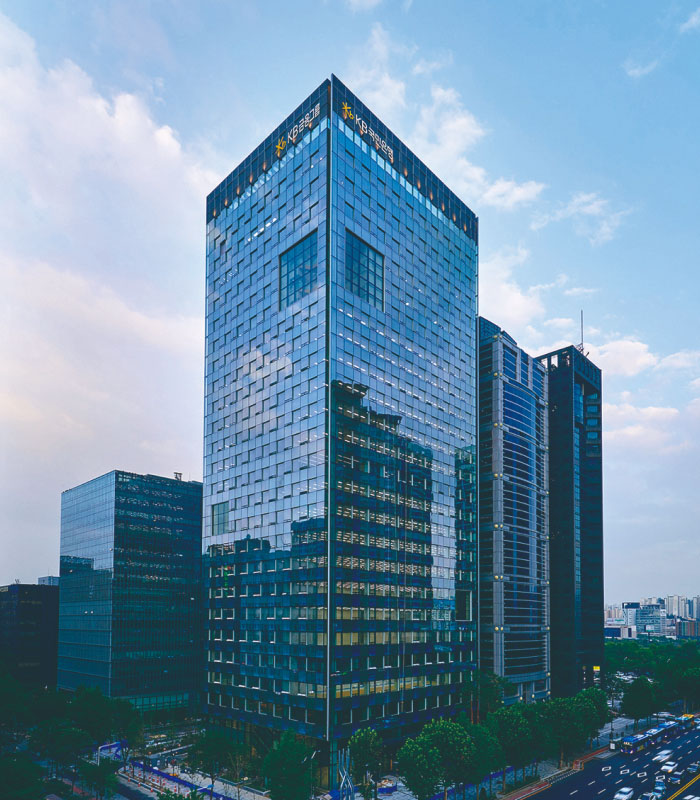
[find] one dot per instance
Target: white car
(663, 755)
(691, 797)
(626, 793)
(670, 766)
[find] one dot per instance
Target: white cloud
(370, 77)
(427, 67)
(445, 131)
(635, 70)
(695, 384)
(501, 298)
(441, 131)
(683, 359)
(362, 5)
(101, 202)
(579, 291)
(626, 357)
(591, 214)
(565, 323)
(659, 429)
(692, 23)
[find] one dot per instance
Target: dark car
(694, 767)
(677, 776)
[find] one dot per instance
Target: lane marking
(601, 791)
(591, 783)
(574, 792)
(690, 783)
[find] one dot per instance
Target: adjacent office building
(28, 633)
(48, 580)
(130, 589)
(575, 519)
(650, 620)
(340, 434)
(513, 524)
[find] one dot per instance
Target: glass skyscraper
(513, 510)
(575, 519)
(130, 589)
(340, 434)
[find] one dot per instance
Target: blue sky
(570, 128)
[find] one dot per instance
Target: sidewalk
(155, 781)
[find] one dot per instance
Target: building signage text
(366, 130)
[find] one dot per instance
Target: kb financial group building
(340, 501)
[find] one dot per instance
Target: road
(603, 777)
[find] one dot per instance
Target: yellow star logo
(281, 144)
(347, 111)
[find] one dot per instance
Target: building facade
(513, 515)
(48, 580)
(575, 519)
(29, 633)
(339, 473)
(130, 589)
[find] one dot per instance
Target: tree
(586, 713)
(638, 700)
(287, 775)
(600, 701)
(238, 763)
(541, 740)
(70, 745)
(99, 777)
(20, 778)
(513, 732)
(688, 684)
(484, 693)
(210, 754)
(489, 756)
(14, 701)
(566, 734)
(366, 753)
(60, 743)
(419, 766)
(127, 727)
(91, 711)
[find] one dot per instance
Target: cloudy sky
(570, 128)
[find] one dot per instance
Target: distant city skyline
(116, 122)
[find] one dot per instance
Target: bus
(635, 743)
(686, 721)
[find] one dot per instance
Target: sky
(570, 128)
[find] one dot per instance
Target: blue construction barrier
(181, 781)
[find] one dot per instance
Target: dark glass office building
(513, 515)
(575, 519)
(130, 589)
(340, 434)
(29, 633)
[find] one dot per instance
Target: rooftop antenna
(580, 346)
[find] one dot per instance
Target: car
(693, 768)
(670, 766)
(677, 776)
(651, 795)
(626, 793)
(663, 755)
(691, 797)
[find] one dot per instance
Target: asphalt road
(603, 777)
